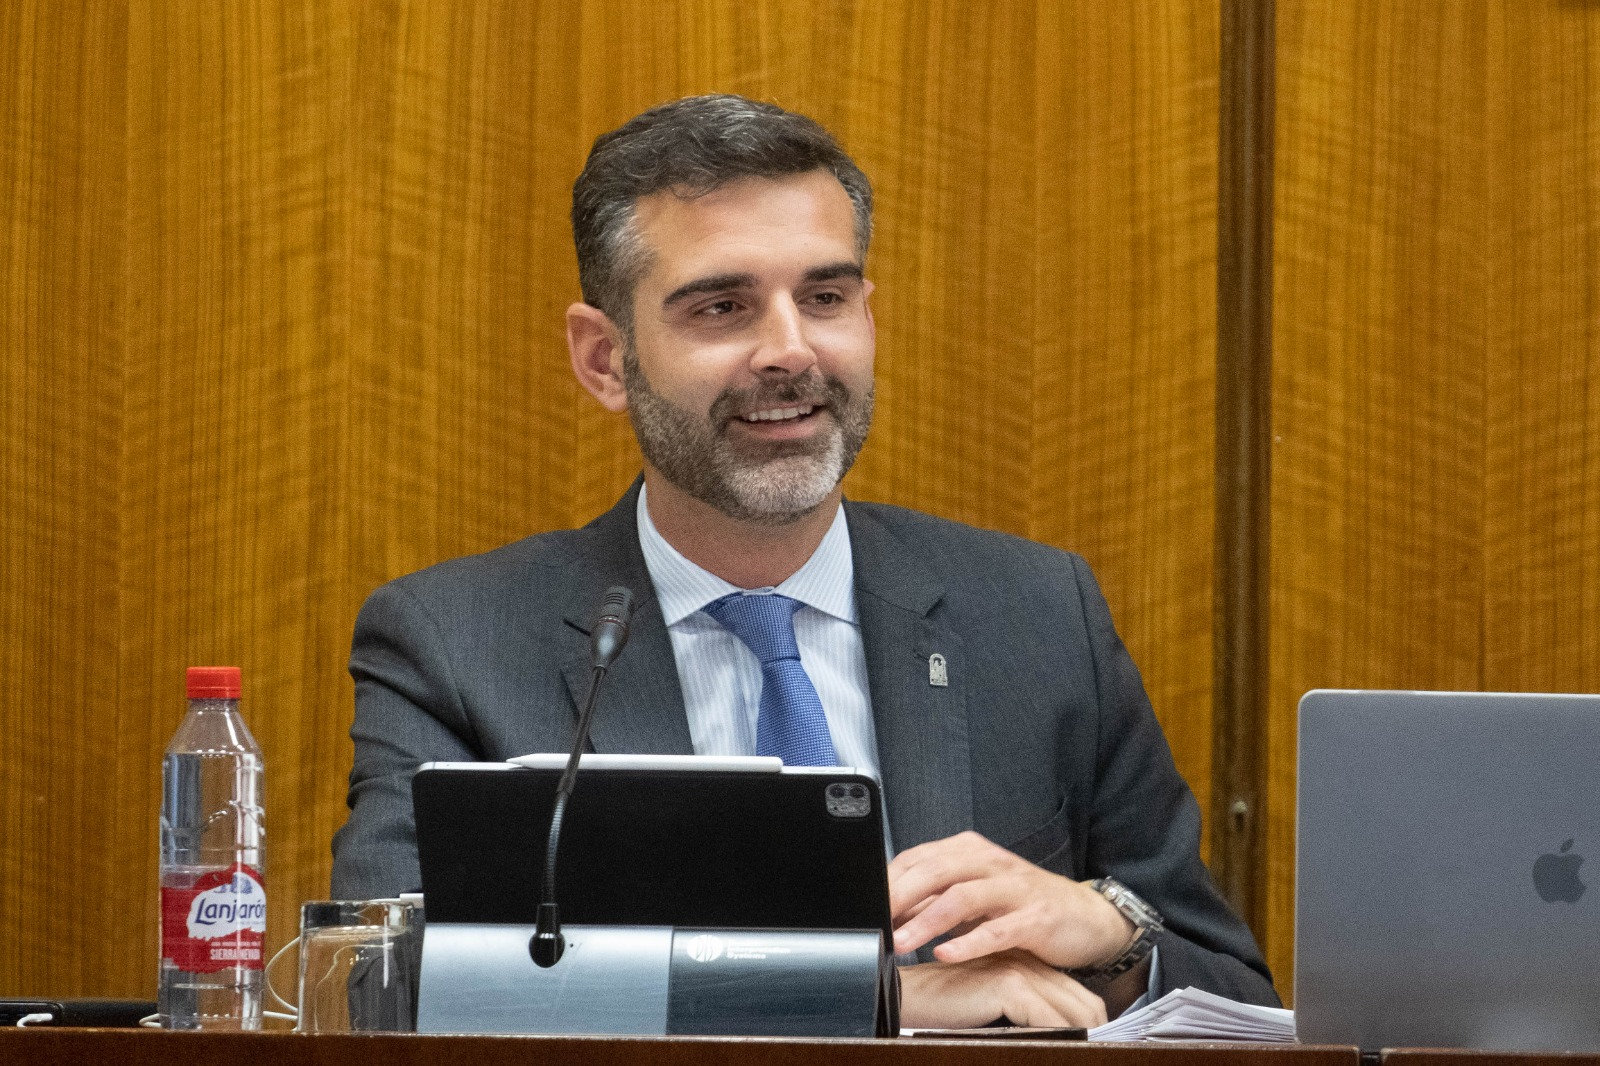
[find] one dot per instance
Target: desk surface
(132, 1047)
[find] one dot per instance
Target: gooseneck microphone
(606, 641)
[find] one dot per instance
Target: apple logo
(1555, 875)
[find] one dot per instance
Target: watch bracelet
(1146, 924)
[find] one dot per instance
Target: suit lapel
(923, 748)
(641, 700)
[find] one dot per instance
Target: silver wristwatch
(1146, 924)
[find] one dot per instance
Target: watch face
(1129, 904)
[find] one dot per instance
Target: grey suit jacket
(1043, 740)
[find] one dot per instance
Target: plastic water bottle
(213, 903)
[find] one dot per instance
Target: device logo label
(706, 948)
(1555, 875)
(218, 922)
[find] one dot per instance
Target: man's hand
(997, 901)
(1012, 985)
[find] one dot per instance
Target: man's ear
(595, 343)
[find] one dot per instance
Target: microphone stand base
(654, 980)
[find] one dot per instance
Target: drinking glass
(359, 961)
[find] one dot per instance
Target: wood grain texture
(283, 320)
(233, 546)
(1123, 337)
(1380, 315)
(69, 1047)
(1434, 493)
(1542, 533)
(1243, 426)
(65, 841)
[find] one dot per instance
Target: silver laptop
(1442, 895)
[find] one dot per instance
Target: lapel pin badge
(938, 672)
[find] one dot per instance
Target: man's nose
(784, 344)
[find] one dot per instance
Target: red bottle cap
(213, 682)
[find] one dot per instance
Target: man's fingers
(993, 905)
(1029, 1003)
(1045, 996)
(1072, 1003)
(912, 912)
(963, 841)
(959, 905)
(930, 869)
(988, 900)
(1013, 985)
(985, 938)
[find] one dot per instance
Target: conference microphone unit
(689, 977)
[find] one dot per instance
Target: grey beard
(776, 485)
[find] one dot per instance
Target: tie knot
(764, 623)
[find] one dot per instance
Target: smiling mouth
(779, 414)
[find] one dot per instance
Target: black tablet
(648, 840)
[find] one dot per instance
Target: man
(721, 247)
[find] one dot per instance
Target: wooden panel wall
(282, 299)
(65, 830)
(1121, 399)
(234, 544)
(1436, 473)
(1542, 405)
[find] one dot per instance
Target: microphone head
(618, 604)
(610, 631)
(546, 949)
(547, 945)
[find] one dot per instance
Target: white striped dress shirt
(721, 677)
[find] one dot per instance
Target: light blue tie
(791, 724)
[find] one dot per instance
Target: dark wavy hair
(691, 147)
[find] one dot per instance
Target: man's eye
(721, 307)
(828, 299)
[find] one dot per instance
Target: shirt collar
(826, 581)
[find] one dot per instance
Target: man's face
(749, 375)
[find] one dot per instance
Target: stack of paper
(1190, 1014)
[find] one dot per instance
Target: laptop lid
(1441, 897)
(686, 843)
